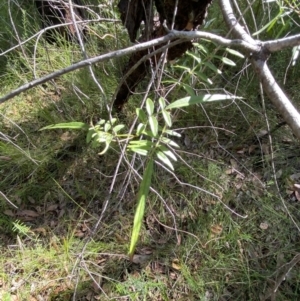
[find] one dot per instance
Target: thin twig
(7, 199)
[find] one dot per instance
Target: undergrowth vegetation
(224, 225)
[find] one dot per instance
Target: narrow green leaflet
(191, 100)
(135, 143)
(269, 25)
(89, 135)
(234, 52)
(196, 58)
(107, 127)
(149, 106)
(201, 47)
(140, 151)
(68, 125)
(167, 117)
(162, 103)
(140, 129)
(168, 141)
(188, 69)
(141, 115)
(148, 133)
(153, 125)
(101, 122)
(113, 121)
(140, 210)
(167, 152)
(186, 87)
(204, 77)
(141, 147)
(227, 61)
(164, 159)
(212, 67)
(118, 128)
(172, 133)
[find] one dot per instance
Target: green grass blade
(140, 210)
(67, 125)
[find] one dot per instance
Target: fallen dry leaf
(297, 187)
(79, 234)
(265, 149)
(4, 158)
(295, 176)
(140, 258)
(29, 213)
(297, 195)
(216, 229)
(264, 226)
(229, 171)
(241, 151)
(66, 136)
(234, 164)
(52, 207)
(9, 213)
(176, 264)
(40, 231)
(146, 250)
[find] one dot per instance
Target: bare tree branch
(119, 53)
(280, 44)
(257, 50)
(259, 63)
(87, 62)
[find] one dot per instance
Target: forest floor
(225, 228)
